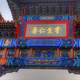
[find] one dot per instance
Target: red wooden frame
(47, 22)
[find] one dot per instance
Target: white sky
(5, 11)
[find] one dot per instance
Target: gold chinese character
(49, 30)
(34, 30)
(42, 30)
(57, 29)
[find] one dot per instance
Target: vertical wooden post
(58, 52)
(71, 53)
